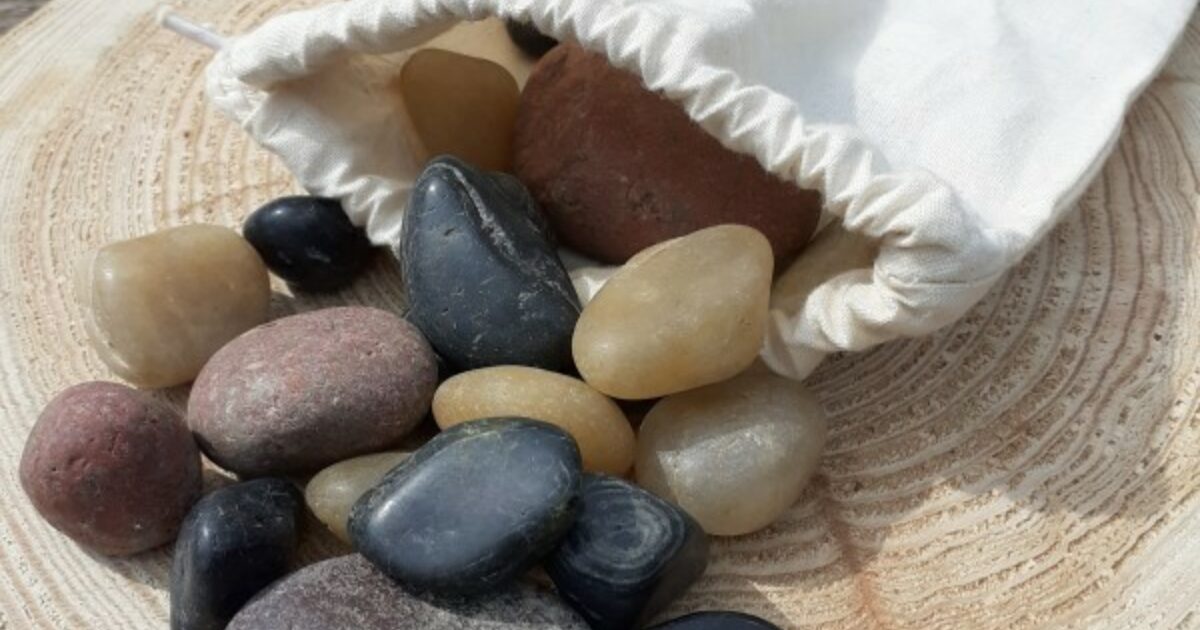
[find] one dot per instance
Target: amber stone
(332, 492)
(460, 105)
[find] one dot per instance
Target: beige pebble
(604, 435)
(835, 251)
(679, 315)
(160, 305)
(332, 492)
(735, 455)
(461, 105)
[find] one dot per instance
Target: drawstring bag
(951, 134)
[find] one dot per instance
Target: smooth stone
(682, 314)
(604, 435)
(460, 105)
(628, 555)
(235, 542)
(735, 455)
(483, 279)
(309, 390)
(111, 468)
(158, 306)
(716, 620)
(350, 593)
(618, 168)
(332, 492)
(309, 242)
(530, 40)
(473, 509)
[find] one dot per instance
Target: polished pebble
(460, 105)
(473, 509)
(716, 620)
(682, 314)
(483, 280)
(235, 542)
(157, 307)
(309, 242)
(111, 468)
(735, 455)
(332, 492)
(350, 593)
(309, 390)
(601, 430)
(628, 555)
(531, 41)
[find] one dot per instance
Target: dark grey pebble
(530, 40)
(309, 242)
(717, 620)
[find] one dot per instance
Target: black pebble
(716, 620)
(473, 509)
(628, 555)
(531, 41)
(309, 242)
(483, 279)
(233, 543)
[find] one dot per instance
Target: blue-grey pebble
(309, 242)
(717, 620)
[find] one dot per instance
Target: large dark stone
(716, 620)
(483, 278)
(234, 543)
(308, 241)
(474, 508)
(627, 556)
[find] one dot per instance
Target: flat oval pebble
(682, 314)
(309, 390)
(111, 468)
(628, 555)
(604, 435)
(618, 168)
(473, 509)
(309, 242)
(158, 306)
(483, 280)
(332, 492)
(236, 541)
(735, 455)
(460, 105)
(716, 620)
(350, 593)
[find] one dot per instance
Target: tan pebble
(835, 251)
(160, 305)
(735, 455)
(332, 492)
(679, 315)
(601, 430)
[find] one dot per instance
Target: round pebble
(309, 242)
(473, 509)
(348, 592)
(735, 455)
(235, 542)
(682, 314)
(111, 468)
(716, 620)
(332, 492)
(313, 389)
(604, 435)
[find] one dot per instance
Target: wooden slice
(1034, 465)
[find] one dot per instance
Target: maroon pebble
(305, 391)
(111, 468)
(618, 168)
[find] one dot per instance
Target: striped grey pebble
(628, 555)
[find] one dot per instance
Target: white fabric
(956, 133)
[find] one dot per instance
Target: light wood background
(1035, 465)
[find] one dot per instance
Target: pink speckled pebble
(305, 391)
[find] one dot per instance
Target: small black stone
(473, 509)
(716, 620)
(233, 543)
(483, 279)
(309, 242)
(628, 555)
(530, 40)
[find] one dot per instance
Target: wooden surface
(1034, 465)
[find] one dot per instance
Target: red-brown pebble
(618, 168)
(111, 468)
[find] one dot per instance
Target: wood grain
(1034, 465)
